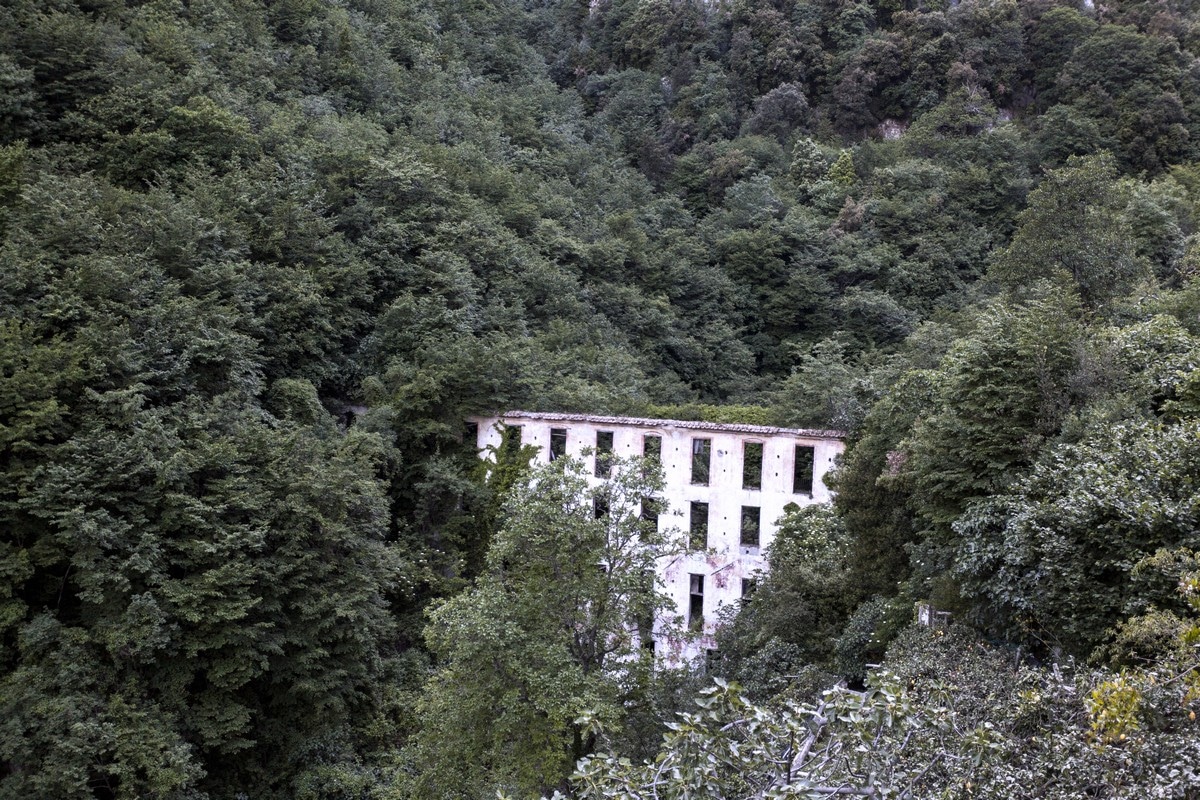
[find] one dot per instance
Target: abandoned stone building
(726, 486)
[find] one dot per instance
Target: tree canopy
(260, 260)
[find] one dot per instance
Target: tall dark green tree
(1075, 230)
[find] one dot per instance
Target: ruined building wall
(714, 572)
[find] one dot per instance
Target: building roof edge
(648, 422)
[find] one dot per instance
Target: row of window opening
(752, 459)
(752, 465)
(750, 528)
(695, 617)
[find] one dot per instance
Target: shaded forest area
(258, 261)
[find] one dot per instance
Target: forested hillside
(259, 260)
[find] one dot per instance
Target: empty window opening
(510, 440)
(802, 476)
(558, 443)
(600, 506)
(701, 455)
(750, 525)
(651, 508)
(604, 453)
(695, 602)
(644, 613)
(748, 587)
(752, 465)
(652, 447)
(698, 527)
(645, 630)
(471, 433)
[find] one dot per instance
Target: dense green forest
(259, 260)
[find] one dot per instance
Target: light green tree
(798, 608)
(842, 170)
(946, 716)
(546, 649)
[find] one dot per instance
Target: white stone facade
(706, 577)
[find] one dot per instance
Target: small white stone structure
(729, 511)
